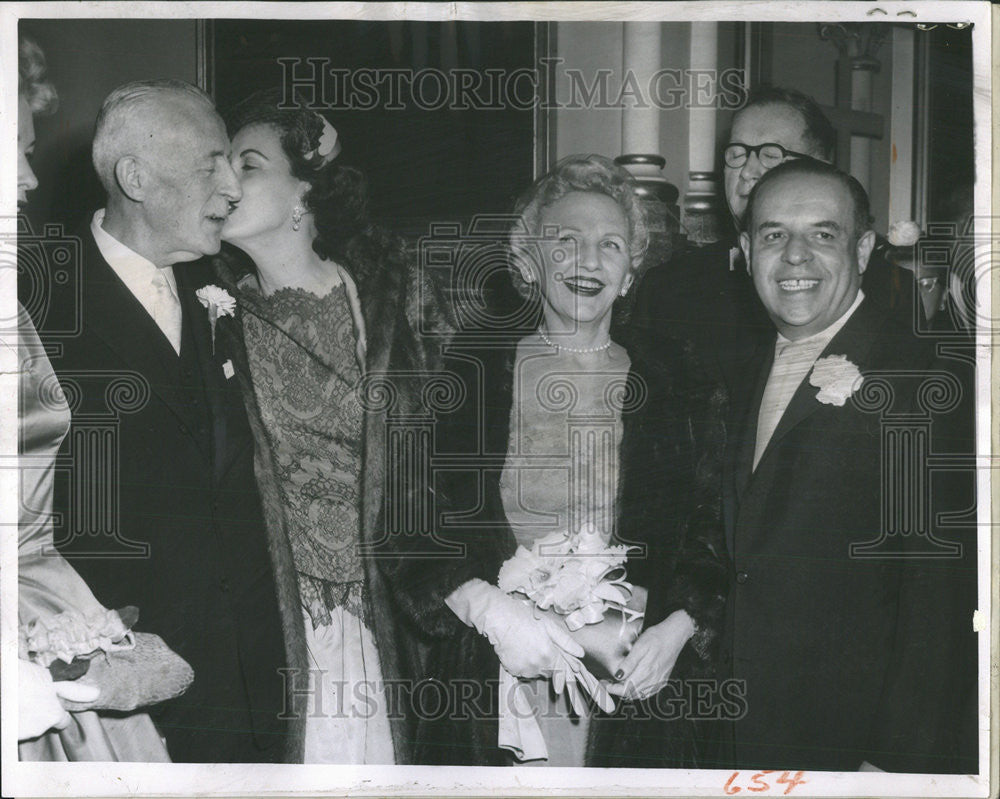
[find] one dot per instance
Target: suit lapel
(117, 318)
(853, 340)
(225, 396)
(746, 388)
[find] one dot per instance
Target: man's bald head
(138, 119)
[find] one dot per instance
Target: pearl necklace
(598, 348)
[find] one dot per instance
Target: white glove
(38, 705)
(527, 646)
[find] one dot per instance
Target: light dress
(47, 584)
(561, 471)
(302, 351)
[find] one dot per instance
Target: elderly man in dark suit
(849, 616)
(181, 532)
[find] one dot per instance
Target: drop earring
(297, 212)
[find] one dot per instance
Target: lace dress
(303, 358)
(561, 471)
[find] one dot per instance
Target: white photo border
(117, 779)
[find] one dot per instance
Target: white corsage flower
(903, 234)
(328, 147)
(219, 302)
(577, 575)
(836, 378)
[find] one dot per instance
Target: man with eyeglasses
(774, 126)
(704, 293)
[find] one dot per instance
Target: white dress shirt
(154, 287)
(792, 362)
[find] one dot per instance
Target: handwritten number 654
(758, 783)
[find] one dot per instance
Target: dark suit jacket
(849, 657)
(170, 471)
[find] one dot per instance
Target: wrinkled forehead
(179, 128)
(774, 122)
(586, 210)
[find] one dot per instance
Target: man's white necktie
(167, 310)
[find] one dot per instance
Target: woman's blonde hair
(587, 173)
(31, 84)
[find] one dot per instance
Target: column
(641, 59)
(862, 70)
(700, 201)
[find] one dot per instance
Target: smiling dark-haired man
(704, 293)
(854, 654)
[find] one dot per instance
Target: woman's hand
(648, 665)
(527, 646)
(38, 707)
(533, 647)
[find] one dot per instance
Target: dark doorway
(424, 164)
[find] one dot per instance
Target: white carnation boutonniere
(219, 302)
(836, 378)
(903, 234)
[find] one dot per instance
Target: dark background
(952, 158)
(422, 165)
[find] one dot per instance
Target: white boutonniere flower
(836, 378)
(903, 234)
(219, 302)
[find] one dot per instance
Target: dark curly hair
(338, 194)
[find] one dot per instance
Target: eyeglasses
(769, 154)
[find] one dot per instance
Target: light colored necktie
(791, 363)
(167, 311)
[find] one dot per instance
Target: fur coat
(668, 502)
(405, 330)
